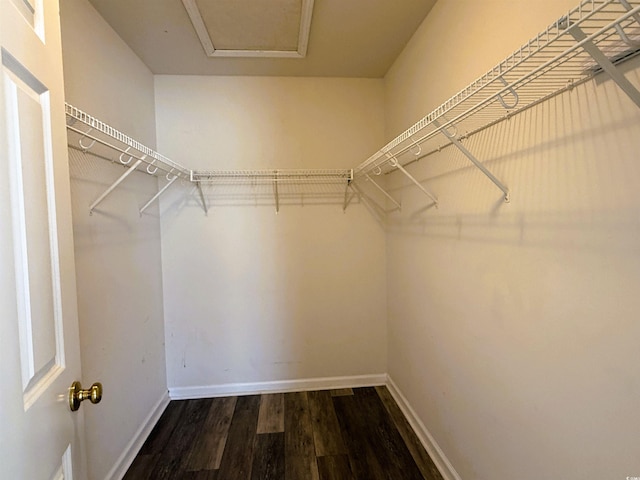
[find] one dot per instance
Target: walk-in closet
(421, 218)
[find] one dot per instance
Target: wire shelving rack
(591, 38)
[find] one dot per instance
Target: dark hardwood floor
(348, 434)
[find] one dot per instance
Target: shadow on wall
(116, 221)
(263, 195)
(572, 171)
(287, 195)
(254, 296)
(604, 231)
(510, 325)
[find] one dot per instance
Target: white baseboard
(133, 447)
(326, 383)
(427, 440)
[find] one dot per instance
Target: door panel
(33, 212)
(39, 340)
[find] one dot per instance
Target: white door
(40, 438)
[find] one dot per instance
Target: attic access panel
(250, 28)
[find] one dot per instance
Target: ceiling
(347, 38)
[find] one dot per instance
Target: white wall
(513, 328)
(117, 253)
(251, 296)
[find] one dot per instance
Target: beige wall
(251, 296)
(458, 42)
(513, 327)
(117, 253)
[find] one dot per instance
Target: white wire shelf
(568, 52)
(233, 187)
(96, 133)
(267, 194)
(252, 177)
(592, 38)
(277, 187)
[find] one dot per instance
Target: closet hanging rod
(150, 157)
(546, 64)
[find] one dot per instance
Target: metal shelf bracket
(347, 199)
(395, 164)
(160, 192)
(204, 202)
(113, 186)
(375, 184)
(601, 59)
(473, 160)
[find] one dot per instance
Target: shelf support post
(275, 192)
(347, 200)
(346, 196)
(157, 195)
(204, 202)
(473, 160)
(606, 65)
(383, 191)
(114, 185)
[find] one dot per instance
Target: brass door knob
(77, 395)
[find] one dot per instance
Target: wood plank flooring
(346, 434)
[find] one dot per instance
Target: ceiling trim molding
(203, 34)
(305, 27)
